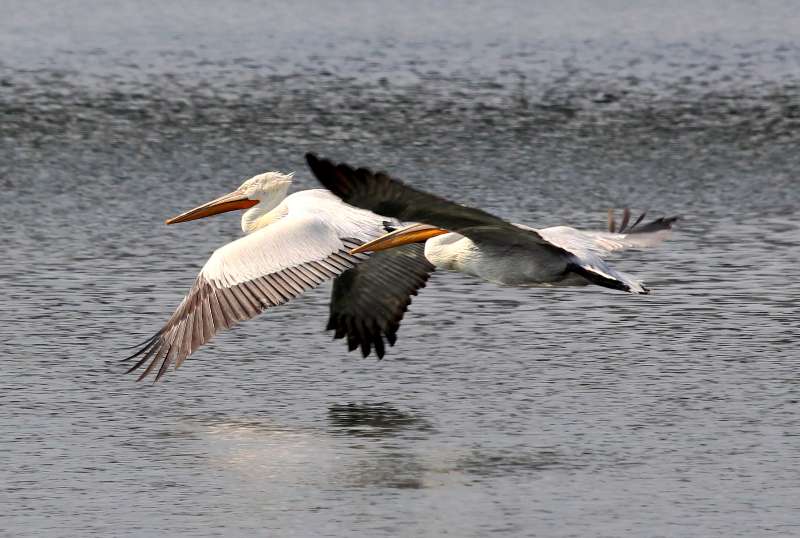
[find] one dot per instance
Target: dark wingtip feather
(331, 325)
(150, 366)
(377, 343)
(138, 364)
(626, 217)
(639, 220)
(391, 337)
(142, 347)
(661, 223)
(366, 348)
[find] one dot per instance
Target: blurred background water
(504, 411)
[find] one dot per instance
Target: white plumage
(312, 226)
(293, 243)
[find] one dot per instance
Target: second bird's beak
(416, 233)
(229, 202)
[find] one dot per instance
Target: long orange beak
(223, 204)
(416, 233)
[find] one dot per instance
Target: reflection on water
(499, 411)
(393, 470)
(374, 420)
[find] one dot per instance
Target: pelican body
(474, 242)
(291, 244)
(498, 263)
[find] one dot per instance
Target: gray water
(500, 411)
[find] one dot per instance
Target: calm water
(500, 411)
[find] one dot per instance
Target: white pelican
(292, 243)
(474, 242)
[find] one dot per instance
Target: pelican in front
(474, 242)
(292, 243)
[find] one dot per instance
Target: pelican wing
(637, 235)
(261, 270)
(604, 243)
(369, 301)
(384, 195)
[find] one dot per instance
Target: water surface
(500, 411)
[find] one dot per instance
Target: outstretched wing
(261, 270)
(616, 239)
(636, 235)
(381, 194)
(369, 301)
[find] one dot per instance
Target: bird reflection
(393, 470)
(374, 420)
(380, 465)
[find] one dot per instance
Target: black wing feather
(369, 301)
(656, 225)
(381, 194)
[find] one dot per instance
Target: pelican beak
(416, 233)
(229, 202)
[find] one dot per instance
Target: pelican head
(259, 195)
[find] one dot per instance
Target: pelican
(474, 242)
(291, 244)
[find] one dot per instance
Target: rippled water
(504, 411)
